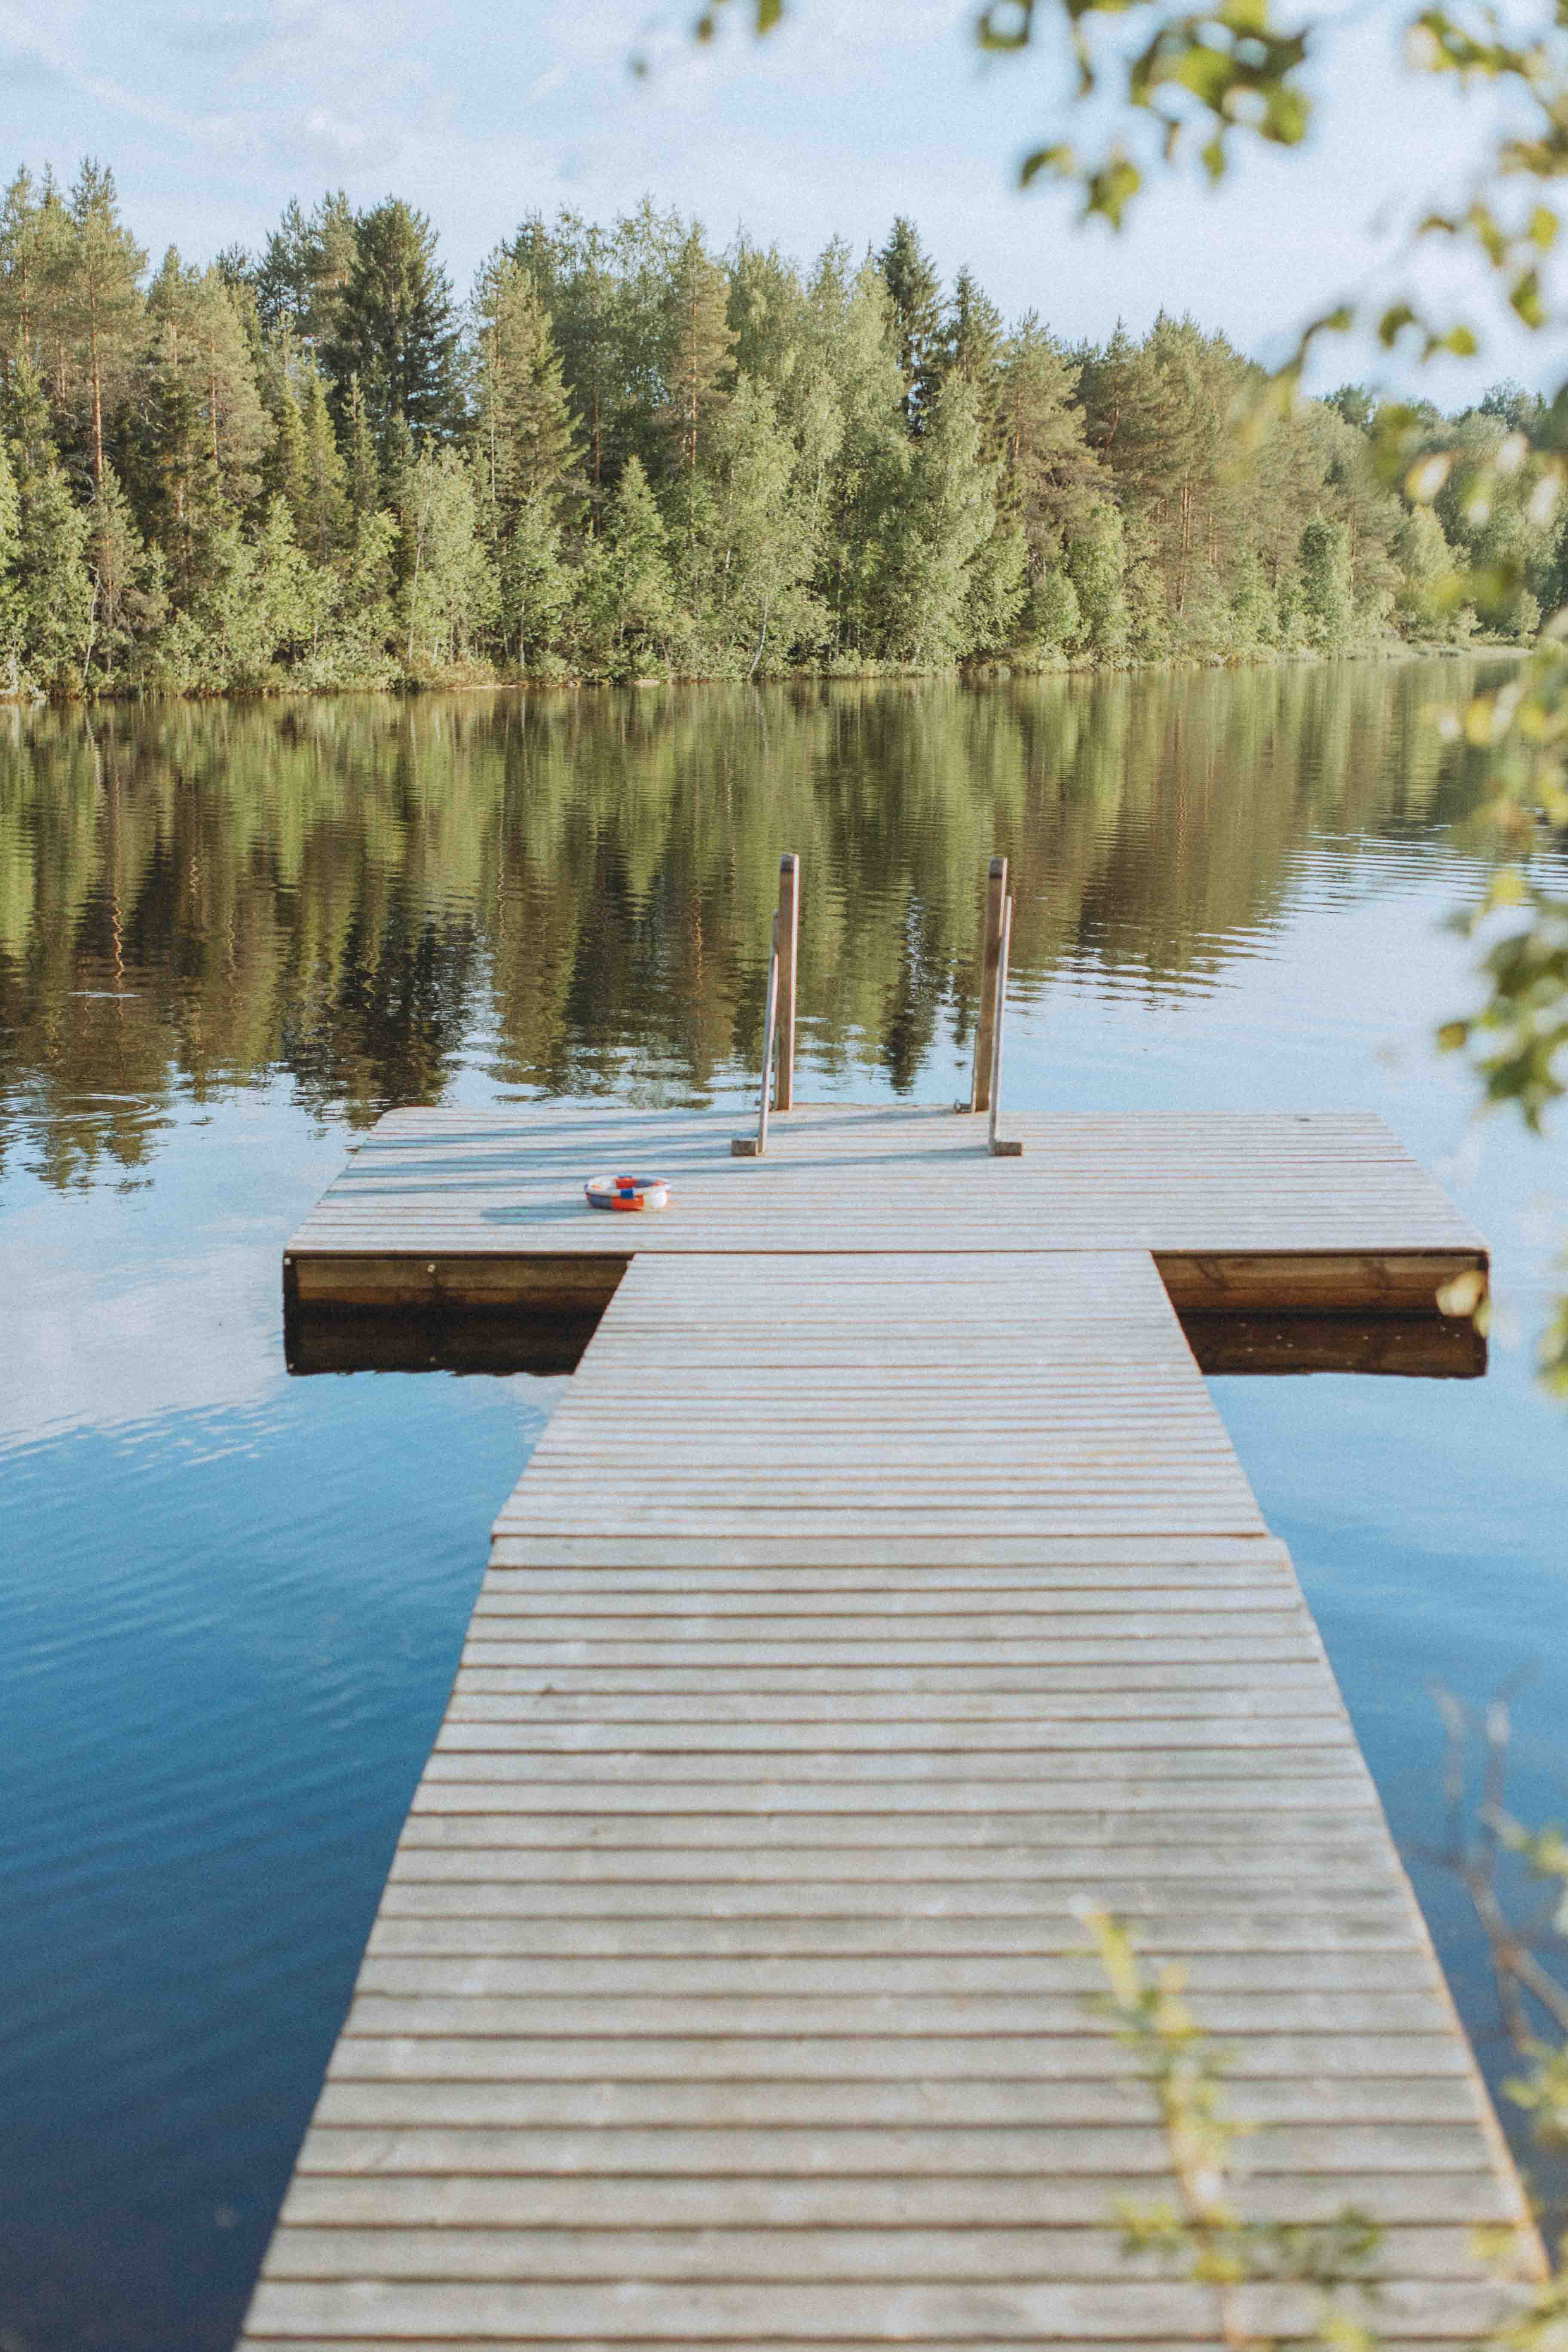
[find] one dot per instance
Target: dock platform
(884, 1588)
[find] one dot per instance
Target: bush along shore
(626, 457)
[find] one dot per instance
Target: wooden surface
(1251, 1213)
(856, 1618)
(990, 961)
(789, 957)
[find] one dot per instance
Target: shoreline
(995, 672)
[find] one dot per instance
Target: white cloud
(850, 114)
(328, 130)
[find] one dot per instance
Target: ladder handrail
(751, 1146)
(770, 1041)
(1001, 1147)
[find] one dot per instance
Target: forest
(625, 456)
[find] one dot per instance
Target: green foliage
(846, 467)
(1326, 605)
(629, 606)
(1202, 2233)
(915, 292)
(97, 276)
(1428, 578)
(305, 268)
(1096, 567)
(1199, 81)
(56, 590)
(1052, 621)
(129, 601)
(11, 608)
(321, 513)
(394, 327)
(451, 591)
(1519, 1040)
(761, 547)
(695, 350)
(939, 593)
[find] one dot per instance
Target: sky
(213, 113)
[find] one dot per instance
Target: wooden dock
(1243, 1212)
(884, 1587)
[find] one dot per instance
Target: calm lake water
(231, 1601)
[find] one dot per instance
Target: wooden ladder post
(1002, 1147)
(788, 938)
(751, 1146)
(990, 966)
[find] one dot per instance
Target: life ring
(626, 1193)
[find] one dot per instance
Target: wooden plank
(450, 2251)
(1298, 2057)
(379, 2103)
(855, 1622)
(1014, 2312)
(1077, 2198)
(1251, 1215)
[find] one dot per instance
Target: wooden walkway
(861, 1611)
(1268, 1212)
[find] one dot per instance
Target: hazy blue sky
(213, 114)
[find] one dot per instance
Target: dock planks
(1272, 1212)
(858, 1616)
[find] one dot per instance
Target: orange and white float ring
(626, 1193)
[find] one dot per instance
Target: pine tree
(394, 327)
(1096, 565)
(450, 590)
(762, 552)
(293, 598)
(323, 511)
(56, 251)
(171, 461)
(524, 453)
(631, 605)
(304, 269)
(768, 313)
(218, 355)
(363, 472)
(853, 363)
(103, 300)
(1327, 607)
(10, 582)
(572, 274)
(55, 591)
(933, 598)
(29, 433)
(288, 460)
(698, 348)
(522, 423)
(129, 602)
(912, 280)
(972, 346)
(1054, 482)
(21, 268)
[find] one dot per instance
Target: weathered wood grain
(856, 1619)
(1319, 1213)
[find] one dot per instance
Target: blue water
(231, 1601)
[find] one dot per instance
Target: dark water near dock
(231, 1601)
